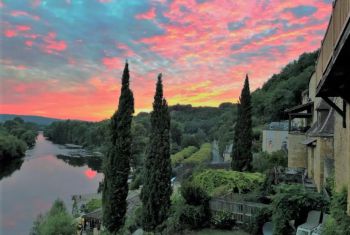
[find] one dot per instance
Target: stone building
(329, 108)
(275, 137)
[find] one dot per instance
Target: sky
(64, 58)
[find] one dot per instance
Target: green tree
(157, 189)
(56, 221)
(243, 136)
(117, 164)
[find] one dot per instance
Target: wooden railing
(241, 211)
(339, 19)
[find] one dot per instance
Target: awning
(309, 141)
(300, 108)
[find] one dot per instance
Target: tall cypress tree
(116, 166)
(243, 137)
(156, 190)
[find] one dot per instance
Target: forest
(16, 136)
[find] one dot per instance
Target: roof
(300, 107)
(96, 214)
(325, 129)
(281, 126)
(309, 141)
(323, 105)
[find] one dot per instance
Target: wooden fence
(241, 211)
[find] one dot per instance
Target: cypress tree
(243, 136)
(116, 165)
(156, 190)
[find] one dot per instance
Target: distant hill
(283, 90)
(29, 118)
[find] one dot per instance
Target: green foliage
(156, 190)
(56, 221)
(177, 158)
(283, 90)
(338, 223)
(92, 205)
(293, 202)
(262, 216)
(223, 220)
(243, 132)
(195, 217)
(117, 162)
(88, 134)
(201, 156)
(15, 136)
(264, 161)
(211, 180)
(11, 147)
(196, 213)
(193, 194)
(136, 182)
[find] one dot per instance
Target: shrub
(226, 181)
(195, 213)
(223, 220)
(56, 221)
(177, 158)
(201, 156)
(265, 161)
(262, 216)
(293, 202)
(195, 216)
(92, 205)
(193, 194)
(338, 223)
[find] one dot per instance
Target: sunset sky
(64, 58)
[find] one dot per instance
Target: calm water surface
(29, 187)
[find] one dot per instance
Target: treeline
(283, 90)
(15, 137)
(190, 126)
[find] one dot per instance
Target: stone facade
(274, 140)
(297, 152)
(323, 150)
(342, 152)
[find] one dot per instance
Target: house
(227, 153)
(275, 137)
(323, 145)
(333, 87)
(311, 146)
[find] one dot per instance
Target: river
(30, 186)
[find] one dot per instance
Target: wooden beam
(342, 113)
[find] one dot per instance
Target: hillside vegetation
(283, 90)
(15, 137)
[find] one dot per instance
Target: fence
(241, 211)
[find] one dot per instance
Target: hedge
(201, 156)
(227, 181)
(182, 155)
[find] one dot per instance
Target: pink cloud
(112, 63)
(29, 43)
(149, 15)
(52, 45)
(24, 13)
(10, 33)
(23, 28)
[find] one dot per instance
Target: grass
(217, 232)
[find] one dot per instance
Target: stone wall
(323, 150)
(274, 140)
(297, 152)
(342, 151)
